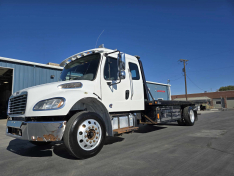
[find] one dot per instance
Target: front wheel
(84, 134)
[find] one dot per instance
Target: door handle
(126, 94)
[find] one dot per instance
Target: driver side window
(111, 69)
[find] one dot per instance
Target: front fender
(94, 105)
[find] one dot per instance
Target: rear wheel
(84, 134)
(189, 116)
(181, 122)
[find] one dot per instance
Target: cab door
(115, 92)
(136, 85)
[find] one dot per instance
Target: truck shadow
(148, 128)
(111, 140)
(25, 148)
(60, 149)
(169, 124)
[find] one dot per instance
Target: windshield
(84, 68)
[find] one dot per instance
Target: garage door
(5, 89)
(230, 102)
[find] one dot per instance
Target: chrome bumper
(37, 131)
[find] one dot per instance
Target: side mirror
(122, 74)
(121, 65)
(121, 61)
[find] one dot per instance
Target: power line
(194, 83)
(177, 78)
(211, 55)
(174, 75)
(212, 69)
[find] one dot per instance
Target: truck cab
(101, 92)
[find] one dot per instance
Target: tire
(181, 122)
(189, 116)
(84, 134)
(195, 113)
(39, 143)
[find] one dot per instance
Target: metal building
(17, 74)
(159, 91)
(218, 100)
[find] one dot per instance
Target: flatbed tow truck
(101, 93)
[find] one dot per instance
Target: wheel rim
(89, 134)
(191, 114)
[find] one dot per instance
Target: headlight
(50, 104)
(70, 85)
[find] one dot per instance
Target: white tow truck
(101, 93)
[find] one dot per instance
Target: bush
(226, 88)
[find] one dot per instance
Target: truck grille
(17, 105)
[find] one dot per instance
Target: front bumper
(36, 131)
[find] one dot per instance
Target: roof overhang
(30, 63)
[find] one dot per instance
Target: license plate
(15, 124)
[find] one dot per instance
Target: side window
(111, 69)
(134, 71)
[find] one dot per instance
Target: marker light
(70, 85)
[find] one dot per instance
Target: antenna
(98, 38)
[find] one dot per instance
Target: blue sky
(160, 32)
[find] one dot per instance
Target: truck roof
(84, 53)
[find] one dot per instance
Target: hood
(51, 90)
(53, 87)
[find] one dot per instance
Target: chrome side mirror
(121, 65)
(122, 74)
(121, 61)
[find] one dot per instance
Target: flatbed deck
(168, 103)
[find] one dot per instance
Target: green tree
(225, 88)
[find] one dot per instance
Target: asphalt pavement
(207, 148)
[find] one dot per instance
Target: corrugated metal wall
(29, 75)
(158, 91)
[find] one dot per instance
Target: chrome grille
(17, 105)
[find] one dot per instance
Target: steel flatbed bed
(163, 111)
(168, 103)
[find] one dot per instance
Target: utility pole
(184, 70)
